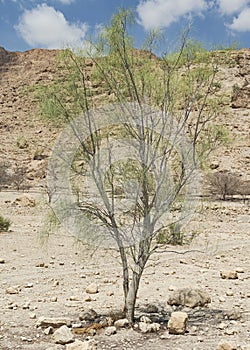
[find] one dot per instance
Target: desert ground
(48, 278)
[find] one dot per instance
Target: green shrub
(4, 223)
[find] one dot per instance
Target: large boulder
(63, 336)
(177, 323)
(189, 297)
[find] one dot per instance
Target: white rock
(79, 345)
(178, 322)
(229, 275)
(92, 288)
(149, 327)
(145, 319)
(110, 330)
(123, 322)
(63, 335)
(11, 290)
(226, 346)
(53, 322)
(48, 330)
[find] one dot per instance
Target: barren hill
(26, 139)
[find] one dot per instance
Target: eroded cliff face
(26, 139)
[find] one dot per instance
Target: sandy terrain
(58, 288)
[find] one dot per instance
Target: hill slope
(26, 139)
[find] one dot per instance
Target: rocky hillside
(26, 139)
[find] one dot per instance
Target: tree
(122, 172)
(225, 184)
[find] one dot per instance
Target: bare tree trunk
(130, 299)
(140, 263)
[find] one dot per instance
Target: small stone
(88, 299)
(53, 322)
(178, 322)
(222, 325)
(2, 261)
(11, 290)
(88, 315)
(229, 275)
(222, 299)
(149, 327)
(239, 270)
(29, 285)
(110, 293)
(48, 330)
(145, 319)
(73, 298)
(40, 264)
(79, 345)
(26, 305)
(229, 293)
(110, 330)
(226, 346)
(32, 315)
(92, 289)
(171, 288)
(123, 322)
(53, 299)
(231, 331)
(63, 336)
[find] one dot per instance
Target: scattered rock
(177, 323)
(88, 315)
(26, 305)
(25, 201)
(239, 270)
(92, 289)
(145, 319)
(123, 322)
(149, 327)
(48, 330)
(189, 297)
(229, 275)
(110, 330)
(11, 290)
(63, 336)
(226, 346)
(79, 345)
(53, 322)
(2, 261)
(40, 264)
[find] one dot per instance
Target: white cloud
(162, 13)
(242, 22)
(66, 2)
(229, 7)
(46, 27)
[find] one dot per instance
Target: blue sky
(26, 24)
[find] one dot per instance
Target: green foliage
(171, 234)
(128, 172)
(4, 224)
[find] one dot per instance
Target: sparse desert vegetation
(57, 292)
